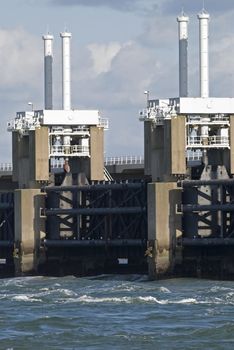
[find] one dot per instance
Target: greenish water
(116, 312)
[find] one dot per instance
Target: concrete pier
(29, 229)
(164, 228)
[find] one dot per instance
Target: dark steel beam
(93, 243)
(207, 241)
(196, 183)
(6, 243)
(191, 208)
(94, 211)
(97, 187)
(6, 205)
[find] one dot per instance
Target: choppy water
(116, 312)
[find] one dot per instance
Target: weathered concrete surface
(30, 156)
(232, 144)
(96, 153)
(178, 145)
(29, 228)
(164, 228)
(39, 154)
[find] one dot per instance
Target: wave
(26, 298)
(127, 300)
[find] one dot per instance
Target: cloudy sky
(119, 49)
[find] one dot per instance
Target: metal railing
(58, 163)
(123, 160)
(65, 150)
(194, 156)
(210, 141)
(5, 167)
(104, 122)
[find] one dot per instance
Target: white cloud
(21, 62)
(20, 58)
(102, 56)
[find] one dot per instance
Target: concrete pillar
(15, 156)
(96, 153)
(232, 144)
(20, 159)
(30, 154)
(147, 147)
(29, 228)
(157, 153)
(178, 145)
(164, 228)
(39, 154)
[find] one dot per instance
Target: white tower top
(183, 54)
(66, 70)
(204, 53)
(48, 70)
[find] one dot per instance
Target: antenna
(203, 6)
(65, 27)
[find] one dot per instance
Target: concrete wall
(178, 145)
(20, 159)
(96, 153)
(232, 144)
(15, 156)
(164, 149)
(147, 147)
(29, 228)
(39, 154)
(30, 156)
(164, 227)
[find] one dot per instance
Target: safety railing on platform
(59, 162)
(123, 160)
(69, 150)
(210, 141)
(5, 167)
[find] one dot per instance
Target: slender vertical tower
(183, 54)
(48, 71)
(204, 54)
(66, 70)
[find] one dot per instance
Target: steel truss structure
(6, 233)
(102, 214)
(208, 212)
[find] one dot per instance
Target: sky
(120, 48)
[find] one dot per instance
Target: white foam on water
(26, 298)
(123, 288)
(215, 289)
(164, 290)
(3, 296)
(186, 301)
(66, 292)
(89, 299)
(125, 299)
(150, 299)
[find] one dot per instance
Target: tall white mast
(204, 53)
(183, 54)
(48, 71)
(66, 70)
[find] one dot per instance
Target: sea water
(115, 312)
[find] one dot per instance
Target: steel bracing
(208, 211)
(101, 213)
